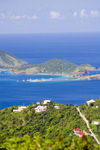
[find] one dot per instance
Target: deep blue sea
(36, 48)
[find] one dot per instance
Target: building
(15, 110)
(96, 122)
(20, 108)
(97, 106)
(40, 108)
(38, 103)
(57, 107)
(78, 132)
(90, 101)
(46, 102)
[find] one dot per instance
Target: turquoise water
(24, 90)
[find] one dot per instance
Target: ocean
(79, 48)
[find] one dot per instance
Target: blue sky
(49, 16)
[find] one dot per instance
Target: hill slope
(18, 127)
(7, 60)
(64, 120)
(92, 113)
(56, 66)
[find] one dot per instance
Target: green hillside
(7, 60)
(56, 66)
(27, 130)
(92, 113)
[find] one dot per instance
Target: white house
(40, 108)
(97, 106)
(57, 107)
(15, 110)
(96, 122)
(46, 101)
(20, 108)
(38, 103)
(90, 101)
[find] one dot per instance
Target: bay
(36, 48)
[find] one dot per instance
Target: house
(40, 108)
(38, 103)
(96, 122)
(90, 101)
(20, 108)
(46, 101)
(97, 106)
(15, 110)
(56, 107)
(78, 132)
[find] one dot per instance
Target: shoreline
(67, 76)
(55, 102)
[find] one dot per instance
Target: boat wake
(40, 80)
(33, 79)
(47, 80)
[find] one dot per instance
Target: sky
(49, 16)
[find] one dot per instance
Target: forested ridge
(51, 129)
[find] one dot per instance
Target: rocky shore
(89, 77)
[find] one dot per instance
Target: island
(55, 66)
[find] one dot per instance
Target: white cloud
(75, 14)
(83, 13)
(11, 16)
(94, 13)
(17, 17)
(34, 17)
(27, 17)
(55, 15)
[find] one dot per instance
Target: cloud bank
(84, 13)
(18, 17)
(56, 15)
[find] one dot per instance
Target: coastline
(89, 77)
(68, 76)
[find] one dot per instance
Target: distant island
(55, 66)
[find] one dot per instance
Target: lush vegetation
(51, 123)
(52, 129)
(39, 143)
(57, 66)
(62, 66)
(92, 113)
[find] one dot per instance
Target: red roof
(81, 133)
(77, 129)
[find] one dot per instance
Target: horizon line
(53, 33)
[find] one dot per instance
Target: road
(87, 123)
